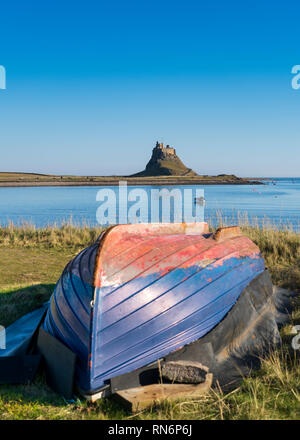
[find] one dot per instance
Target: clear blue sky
(91, 85)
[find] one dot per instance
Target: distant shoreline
(34, 180)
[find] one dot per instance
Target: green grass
(31, 262)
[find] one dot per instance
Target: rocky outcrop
(165, 162)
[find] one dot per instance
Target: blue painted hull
(133, 298)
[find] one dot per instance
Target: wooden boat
(143, 291)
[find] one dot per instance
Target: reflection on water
(278, 201)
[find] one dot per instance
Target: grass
(67, 236)
(31, 262)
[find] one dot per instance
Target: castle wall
(165, 150)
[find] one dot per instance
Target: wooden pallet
(142, 397)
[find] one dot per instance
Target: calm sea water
(277, 201)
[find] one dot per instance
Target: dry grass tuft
(68, 235)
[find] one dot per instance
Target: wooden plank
(141, 397)
(226, 233)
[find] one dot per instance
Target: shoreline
(130, 182)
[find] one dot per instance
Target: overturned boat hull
(142, 292)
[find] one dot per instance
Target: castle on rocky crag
(165, 162)
(165, 150)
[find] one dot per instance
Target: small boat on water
(144, 291)
(200, 200)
